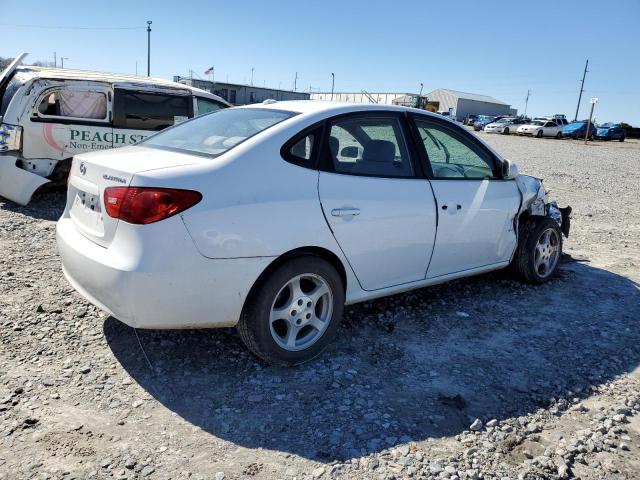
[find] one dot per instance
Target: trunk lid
(91, 173)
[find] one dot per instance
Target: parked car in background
(48, 115)
(483, 121)
(505, 125)
(261, 217)
(611, 131)
(560, 119)
(540, 128)
(578, 130)
(470, 119)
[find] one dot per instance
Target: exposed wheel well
(323, 253)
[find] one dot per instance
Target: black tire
(539, 134)
(529, 232)
(506, 131)
(254, 325)
(559, 135)
(622, 138)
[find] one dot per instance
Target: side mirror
(509, 170)
(349, 152)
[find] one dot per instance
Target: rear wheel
(294, 313)
(559, 135)
(539, 134)
(539, 250)
(622, 138)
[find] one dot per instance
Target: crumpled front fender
(17, 184)
(535, 202)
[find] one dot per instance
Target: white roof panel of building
(471, 96)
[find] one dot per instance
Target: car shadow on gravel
(44, 205)
(405, 368)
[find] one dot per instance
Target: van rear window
(150, 111)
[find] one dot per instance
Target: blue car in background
(578, 130)
(611, 131)
(484, 120)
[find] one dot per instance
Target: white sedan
(504, 125)
(271, 217)
(540, 128)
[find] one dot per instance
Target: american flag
(208, 71)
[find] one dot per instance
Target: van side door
(139, 113)
(66, 118)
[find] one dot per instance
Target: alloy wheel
(547, 252)
(301, 312)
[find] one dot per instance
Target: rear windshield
(217, 132)
(7, 94)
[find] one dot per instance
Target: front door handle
(345, 212)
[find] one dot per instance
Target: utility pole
(526, 102)
(252, 76)
(295, 82)
(136, 67)
(581, 89)
(62, 59)
(55, 60)
(333, 81)
(594, 100)
(149, 48)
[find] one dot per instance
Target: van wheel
(539, 250)
(294, 313)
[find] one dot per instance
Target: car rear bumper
(164, 284)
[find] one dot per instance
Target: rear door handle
(345, 212)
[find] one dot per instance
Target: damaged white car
(47, 115)
(272, 217)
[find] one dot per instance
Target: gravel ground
(476, 379)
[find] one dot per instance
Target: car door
(550, 129)
(476, 207)
(381, 213)
(139, 113)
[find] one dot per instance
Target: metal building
(463, 104)
(383, 98)
(238, 94)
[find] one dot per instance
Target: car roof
(335, 108)
(121, 78)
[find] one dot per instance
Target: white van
(48, 115)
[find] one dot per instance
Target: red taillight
(142, 205)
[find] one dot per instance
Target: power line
(67, 27)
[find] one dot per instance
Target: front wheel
(506, 131)
(539, 250)
(559, 135)
(293, 314)
(622, 139)
(539, 134)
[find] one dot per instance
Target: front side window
(369, 146)
(450, 155)
(214, 134)
(206, 105)
(149, 111)
(72, 103)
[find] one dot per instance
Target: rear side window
(214, 134)
(71, 103)
(150, 111)
(364, 145)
